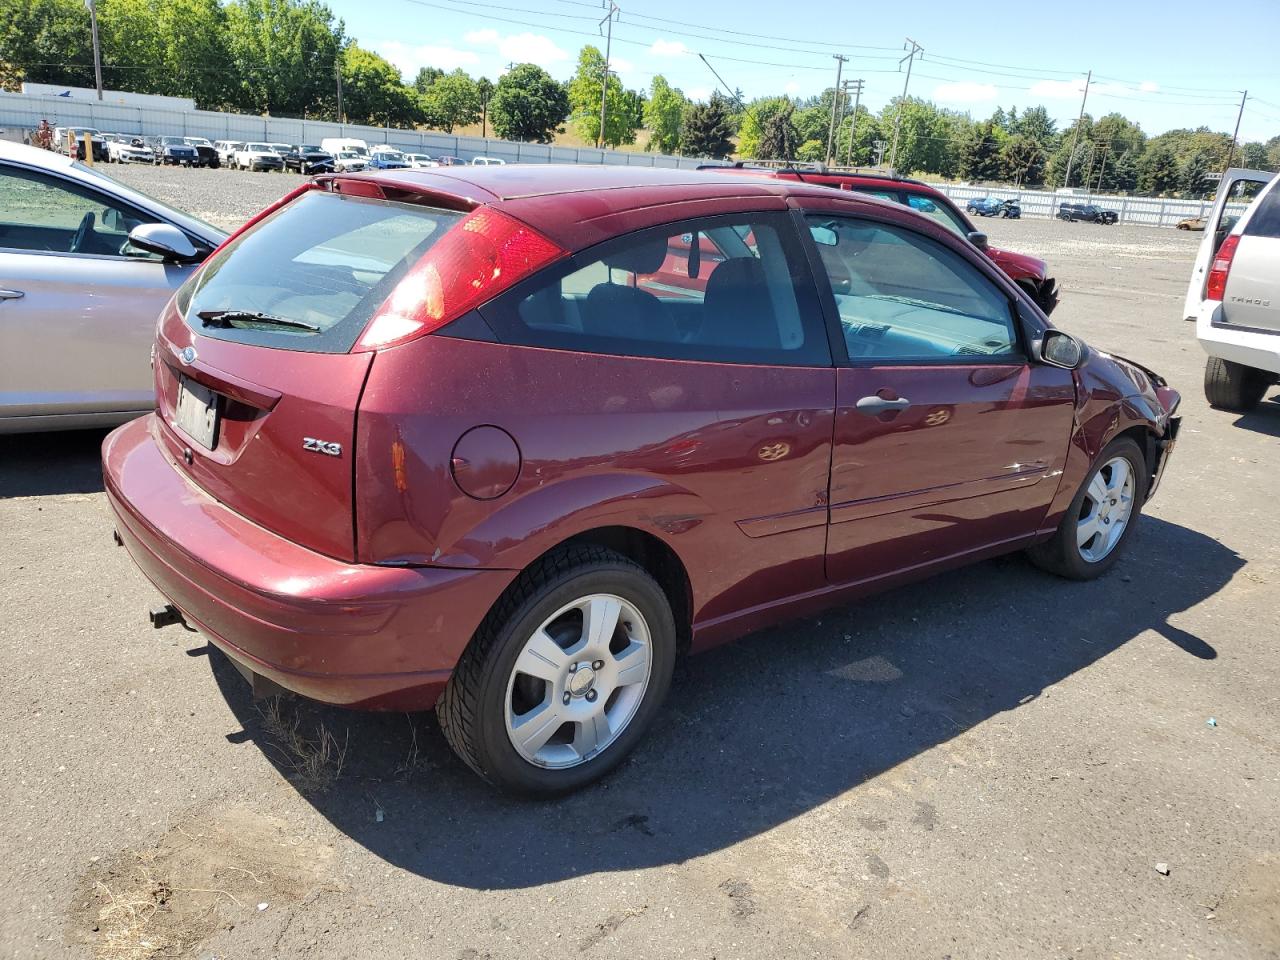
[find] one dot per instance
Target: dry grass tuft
(316, 764)
(123, 919)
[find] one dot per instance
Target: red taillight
(479, 258)
(1217, 283)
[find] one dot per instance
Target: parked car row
(994, 207)
(356, 481)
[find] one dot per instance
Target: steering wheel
(82, 233)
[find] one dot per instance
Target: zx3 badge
(322, 446)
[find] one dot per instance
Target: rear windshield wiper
(228, 318)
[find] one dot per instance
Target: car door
(704, 379)
(79, 302)
(948, 440)
(1236, 191)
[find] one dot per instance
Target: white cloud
(1148, 87)
(965, 91)
(410, 59)
(520, 47)
(792, 87)
(621, 65)
(699, 94)
(1057, 89)
(668, 48)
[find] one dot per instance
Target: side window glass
(937, 211)
(881, 194)
(46, 214)
(722, 291)
(903, 297)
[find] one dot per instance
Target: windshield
(260, 148)
(325, 262)
(311, 148)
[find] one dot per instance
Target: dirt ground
(993, 764)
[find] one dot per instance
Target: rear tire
(491, 702)
(1233, 386)
(1080, 548)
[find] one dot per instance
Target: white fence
(1148, 211)
(25, 112)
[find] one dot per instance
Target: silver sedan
(86, 264)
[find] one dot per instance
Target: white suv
(1234, 295)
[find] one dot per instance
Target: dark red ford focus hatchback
(509, 440)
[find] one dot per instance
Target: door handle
(11, 294)
(873, 406)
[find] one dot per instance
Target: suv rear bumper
(351, 634)
(1250, 347)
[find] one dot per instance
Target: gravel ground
(995, 764)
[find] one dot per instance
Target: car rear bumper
(352, 634)
(1249, 347)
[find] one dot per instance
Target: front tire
(1101, 517)
(1233, 386)
(565, 674)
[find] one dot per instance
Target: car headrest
(641, 257)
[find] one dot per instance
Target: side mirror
(1060, 349)
(978, 239)
(166, 240)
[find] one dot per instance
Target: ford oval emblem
(188, 355)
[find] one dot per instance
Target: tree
(979, 155)
(170, 47)
(372, 91)
(778, 135)
(47, 41)
(584, 102)
(451, 101)
(282, 54)
(528, 105)
(1158, 171)
(1194, 176)
(762, 138)
(664, 116)
(707, 129)
(1254, 155)
(484, 90)
(1035, 124)
(426, 77)
(1022, 160)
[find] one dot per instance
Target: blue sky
(1164, 65)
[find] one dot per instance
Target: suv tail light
(486, 253)
(1216, 286)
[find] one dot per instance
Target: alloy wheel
(1106, 510)
(579, 681)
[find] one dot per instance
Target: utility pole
(614, 11)
(337, 75)
(909, 59)
(1066, 181)
(837, 101)
(853, 124)
(97, 52)
(1231, 153)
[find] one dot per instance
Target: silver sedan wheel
(578, 681)
(1106, 511)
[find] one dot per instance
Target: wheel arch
(658, 559)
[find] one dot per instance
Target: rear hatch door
(1252, 296)
(257, 385)
(1236, 189)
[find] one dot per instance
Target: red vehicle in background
(1029, 273)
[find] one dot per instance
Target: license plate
(197, 412)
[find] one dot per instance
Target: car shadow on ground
(1265, 418)
(41, 464)
(758, 732)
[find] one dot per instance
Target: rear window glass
(324, 261)
(1265, 221)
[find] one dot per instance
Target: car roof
(578, 205)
